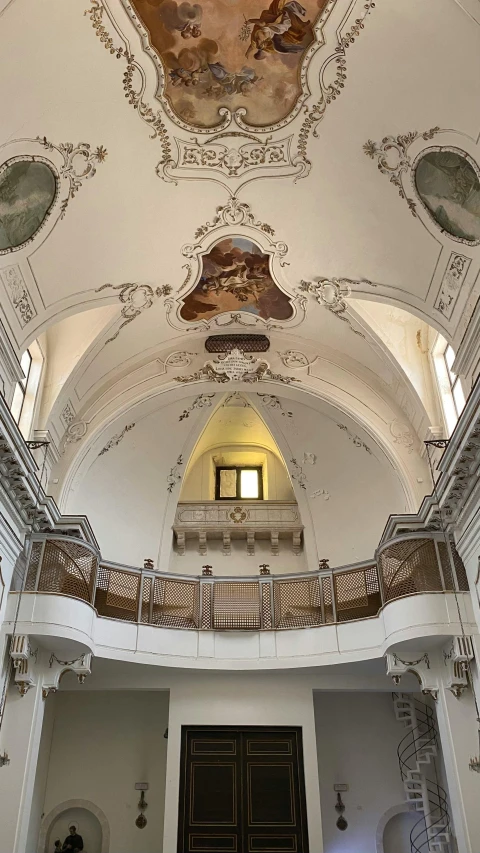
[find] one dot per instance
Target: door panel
(242, 791)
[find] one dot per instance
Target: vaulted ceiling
(238, 166)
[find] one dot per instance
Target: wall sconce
(148, 563)
(264, 569)
(207, 571)
(340, 807)
(4, 759)
(141, 820)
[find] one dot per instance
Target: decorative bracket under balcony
(248, 520)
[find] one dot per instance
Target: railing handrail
(283, 601)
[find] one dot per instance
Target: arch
(77, 803)
(401, 808)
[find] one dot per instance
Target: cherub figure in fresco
(231, 82)
(279, 29)
(185, 18)
(183, 77)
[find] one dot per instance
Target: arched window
(25, 394)
(449, 384)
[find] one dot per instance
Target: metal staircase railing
(416, 751)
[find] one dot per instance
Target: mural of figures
(27, 192)
(236, 277)
(232, 53)
(448, 184)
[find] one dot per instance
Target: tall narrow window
(21, 387)
(235, 483)
(449, 384)
(25, 394)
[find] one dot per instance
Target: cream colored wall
(357, 739)
(199, 483)
(104, 742)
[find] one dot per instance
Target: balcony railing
(407, 565)
(203, 521)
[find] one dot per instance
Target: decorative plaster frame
(74, 804)
(33, 158)
(413, 168)
(172, 166)
(238, 215)
(71, 165)
(226, 116)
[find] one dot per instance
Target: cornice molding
(21, 491)
(468, 353)
(458, 480)
(10, 369)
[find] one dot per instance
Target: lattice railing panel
(327, 598)
(207, 604)
(69, 569)
(31, 578)
(297, 603)
(357, 594)
(175, 603)
(236, 605)
(117, 594)
(408, 567)
(458, 567)
(146, 594)
(266, 605)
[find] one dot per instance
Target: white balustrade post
(458, 729)
(20, 739)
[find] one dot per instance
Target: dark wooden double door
(242, 791)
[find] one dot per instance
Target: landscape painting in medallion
(27, 192)
(448, 184)
(231, 53)
(236, 277)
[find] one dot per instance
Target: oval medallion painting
(236, 276)
(448, 184)
(27, 192)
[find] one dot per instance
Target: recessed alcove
(237, 498)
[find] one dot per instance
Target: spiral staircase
(416, 753)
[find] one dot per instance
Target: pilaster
(36, 674)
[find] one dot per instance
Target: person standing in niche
(73, 842)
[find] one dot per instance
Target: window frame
(21, 388)
(239, 469)
(448, 382)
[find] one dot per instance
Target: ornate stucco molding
(393, 158)
(238, 215)
(79, 164)
(135, 298)
(233, 152)
(235, 366)
(331, 293)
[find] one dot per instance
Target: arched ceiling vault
(262, 166)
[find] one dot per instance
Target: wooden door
(242, 791)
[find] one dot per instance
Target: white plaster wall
(102, 744)
(241, 700)
(199, 483)
(357, 739)
(345, 496)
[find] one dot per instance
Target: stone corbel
(457, 656)
(81, 666)
(419, 666)
(23, 656)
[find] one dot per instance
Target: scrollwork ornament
(393, 158)
(79, 164)
(332, 293)
(135, 299)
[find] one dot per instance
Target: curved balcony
(405, 566)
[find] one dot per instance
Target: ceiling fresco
(235, 276)
(232, 53)
(28, 189)
(448, 184)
